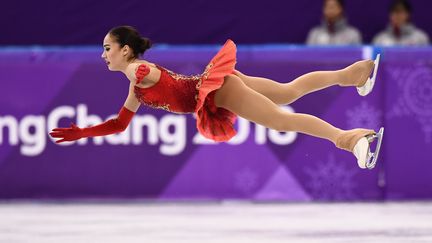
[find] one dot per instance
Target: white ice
(141, 221)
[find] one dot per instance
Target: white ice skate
(365, 158)
(368, 86)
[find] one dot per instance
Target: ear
(125, 50)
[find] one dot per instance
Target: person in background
(334, 29)
(401, 31)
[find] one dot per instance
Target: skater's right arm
(115, 125)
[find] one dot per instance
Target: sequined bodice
(173, 92)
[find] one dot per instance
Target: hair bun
(145, 44)
(128, 35)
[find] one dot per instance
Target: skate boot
(367, 87)
(359, 75)
(358, 142)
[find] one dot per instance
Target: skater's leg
(286, 93)
(235, 96)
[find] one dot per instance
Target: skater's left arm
(115, 125)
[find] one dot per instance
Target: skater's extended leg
(286, 93)
(235, 96)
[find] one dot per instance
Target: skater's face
(399, 17)
(332, 10)
(115, 57)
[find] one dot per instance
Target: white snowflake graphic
(414, 96)
(246, 180)
(364, 116)
(331, 181)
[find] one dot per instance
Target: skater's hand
(67, 134)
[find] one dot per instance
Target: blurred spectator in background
(400, 30)
(334, 28)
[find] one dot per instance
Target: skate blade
(368, 86)
(373, 157)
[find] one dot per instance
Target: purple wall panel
(160, 156)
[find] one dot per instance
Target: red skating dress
(187, 94)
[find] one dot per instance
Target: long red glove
(111, 126)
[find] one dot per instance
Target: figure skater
(221, 93)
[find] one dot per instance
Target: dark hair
(397, 4)
(128, 35)
(340, 2)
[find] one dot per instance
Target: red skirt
(214, 122)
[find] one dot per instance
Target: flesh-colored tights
(258, 99)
